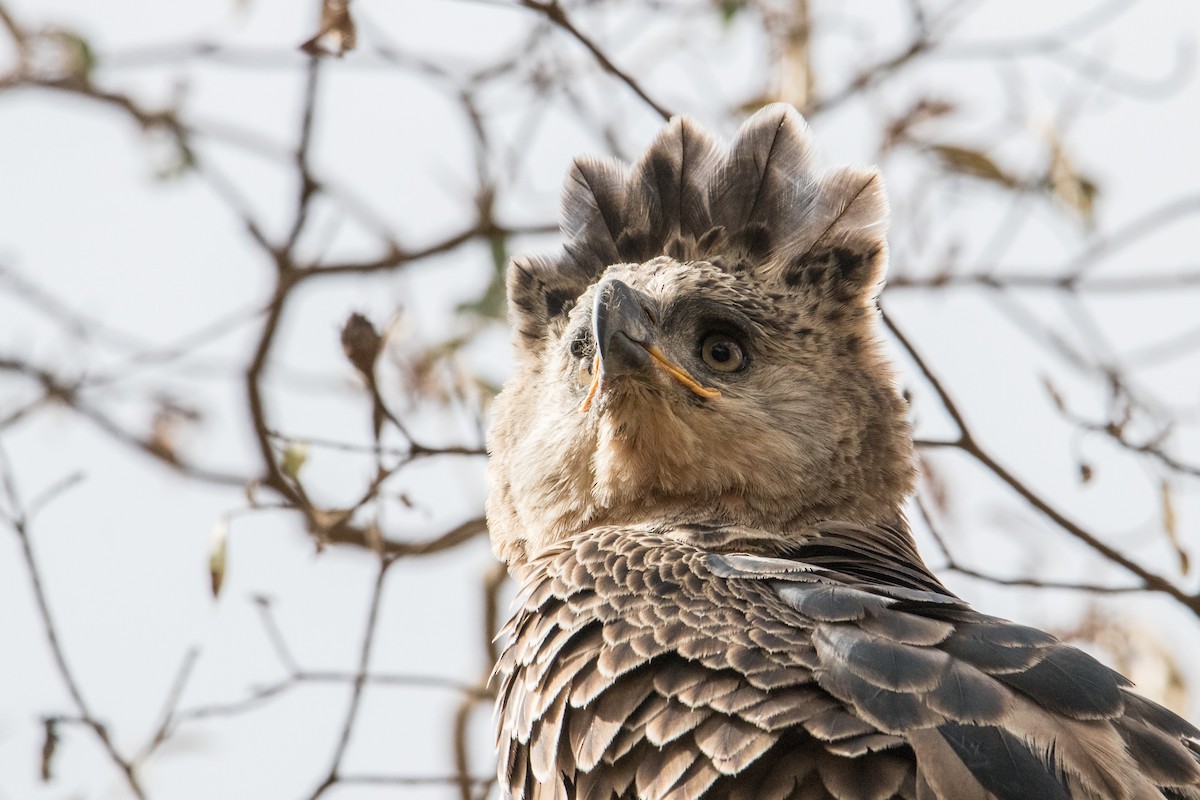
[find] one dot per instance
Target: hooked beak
(622, 328)
(625, 341)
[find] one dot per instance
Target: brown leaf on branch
(361, 343)
(1068, 185)
(972, 163)
(59, 53)
(49, 747)
(926, 109)
(1170, 523)
(218, 555)
(337, 34)
(167, 424)
(1055, 396)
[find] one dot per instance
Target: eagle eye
(579, 344)
(723, 353)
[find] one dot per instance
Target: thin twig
(1151, 580)
(19, 521)
(360, 680)
(555, 13)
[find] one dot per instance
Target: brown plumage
(698, 477)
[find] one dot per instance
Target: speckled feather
(872, 695)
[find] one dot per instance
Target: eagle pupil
(578, 347)
(722, 353)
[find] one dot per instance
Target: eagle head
(703, 349)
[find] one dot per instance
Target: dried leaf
(728, 9)
(49, 747)
(973, 163)
(361, 344)
(1055, 396)
(1171, 525)
(337, 34)
(1073, 189)
(217, 555)
(923, 110)
(74, 54)
(179, 159)
(170, 419)
(294, 457)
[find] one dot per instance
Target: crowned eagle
(698, 478)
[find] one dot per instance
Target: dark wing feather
(1070, 682)
(1003, 764)
(806, 676)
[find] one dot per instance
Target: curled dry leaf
(1068, 185)
(1171, 525)
(294, 457)
(218, 553)
(923, 110)
(61, 54)
(361, 343)
(168, 423)
(337, 34)
(973, 163)
(1055, 396)
(49, 747)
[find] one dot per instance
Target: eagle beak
(625, 340)
(622, 328)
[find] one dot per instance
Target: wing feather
(795, 677)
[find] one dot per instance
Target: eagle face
(688, 359)
(687, 391)
(673, 370)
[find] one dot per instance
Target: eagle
(698, 477)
